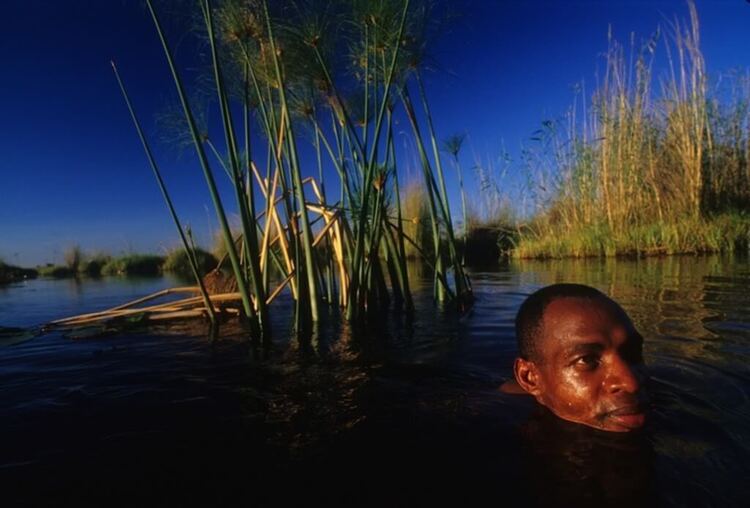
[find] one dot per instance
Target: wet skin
(589, 369)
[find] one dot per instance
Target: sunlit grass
(728, 232)
(644, 170)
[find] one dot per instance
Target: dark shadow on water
(574, 465)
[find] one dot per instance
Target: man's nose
(622, 376)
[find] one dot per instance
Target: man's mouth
(629, 417)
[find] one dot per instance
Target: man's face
(589, 366)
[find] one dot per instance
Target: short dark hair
(530, 315)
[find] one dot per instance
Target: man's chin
(627, 419)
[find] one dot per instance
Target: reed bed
(644, 169)
(290, 78)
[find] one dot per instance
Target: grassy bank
(98, 265)
(634, 170)
(727, 232)
(76, 264)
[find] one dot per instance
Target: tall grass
(645, 169)
(330, 74)
(415, 222)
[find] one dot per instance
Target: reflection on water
(401, 412)
(579, 464)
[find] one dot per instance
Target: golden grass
(646, 171)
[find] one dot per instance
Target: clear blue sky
(72, 170)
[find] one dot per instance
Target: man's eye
(588, 362)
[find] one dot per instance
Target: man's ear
(527, 376)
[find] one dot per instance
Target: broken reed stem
(163, 292)
(167, 310)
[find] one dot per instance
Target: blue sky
(72, 170)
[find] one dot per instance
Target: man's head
(580, 356)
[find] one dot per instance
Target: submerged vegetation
(641, 172)
(332, 77)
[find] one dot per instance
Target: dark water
(399, 414)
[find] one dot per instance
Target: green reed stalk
(162, 187)
(459, 276)
(336, 160)
(327, 278)
(310, 266)
(345, 117)
(365, 119)
(443, 194)
(400, 248)
(231, 251)
(359, 263)
(440, 292)
(247, 218)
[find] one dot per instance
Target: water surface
(401, 413)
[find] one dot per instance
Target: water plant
(281, 80)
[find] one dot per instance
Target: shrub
(93, 266)
(177, 262)
(134, 264)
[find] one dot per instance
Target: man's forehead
(573, 306)
(569, 316)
